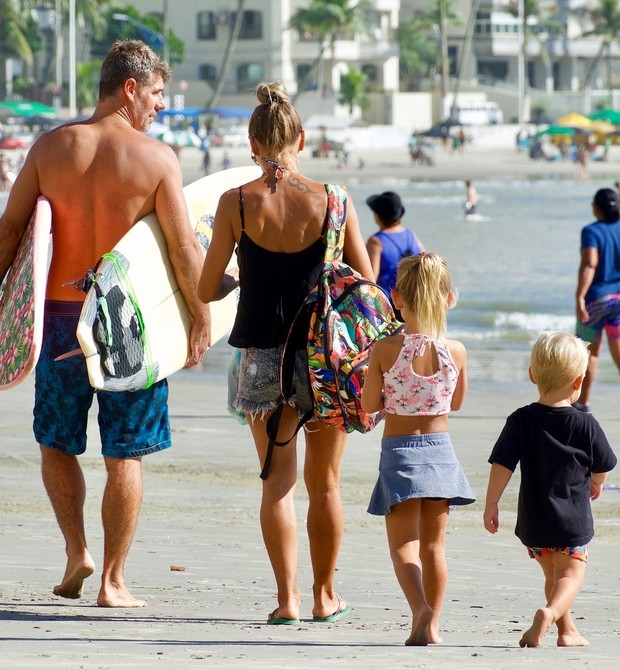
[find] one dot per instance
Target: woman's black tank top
(273, 286)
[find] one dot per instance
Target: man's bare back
(88, 216)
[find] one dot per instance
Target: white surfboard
(139, 333)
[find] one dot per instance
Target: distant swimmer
(472, 198)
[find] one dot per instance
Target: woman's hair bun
(269, 93)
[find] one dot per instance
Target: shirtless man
(101, 176)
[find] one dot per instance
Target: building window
(371, 71)
(249, 75)
(302, 71)
(207, 73)
(251, 25)
(205, 24)
(492, 71)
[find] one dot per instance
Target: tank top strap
(241, 215)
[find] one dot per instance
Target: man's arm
(185, 255)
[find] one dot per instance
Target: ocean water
(515, 268)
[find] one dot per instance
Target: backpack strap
(336, 222)
(273, 424)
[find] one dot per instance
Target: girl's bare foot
(419, 629)
(72, 585)
(434, 637)
(572, 639)
(533, 636)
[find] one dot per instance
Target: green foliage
(124, 30)
(352, 89)
(13, 40)
(87, 84)
(419, 50)
(325, 21)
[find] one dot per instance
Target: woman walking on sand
(598, 287)
(277, 223)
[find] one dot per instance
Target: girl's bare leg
(403, 532)
(433, 525)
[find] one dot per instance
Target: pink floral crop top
(408, 394)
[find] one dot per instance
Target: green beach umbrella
(557, 130)
(26, 108)
(609, 115)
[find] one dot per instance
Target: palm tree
(352, 89)
(538, 25)
(325, 20)
(418, 51)
(230, 48)
(13, 41)
(606, 23)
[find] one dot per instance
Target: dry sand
(200, 512)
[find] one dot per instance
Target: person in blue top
(598, 286)
(393, 241)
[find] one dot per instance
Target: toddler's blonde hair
(557, 359)
(424, 284)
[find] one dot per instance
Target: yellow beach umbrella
(574, 119)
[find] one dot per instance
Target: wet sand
(200, 513)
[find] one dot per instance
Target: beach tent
(25, 108)
(438, 131)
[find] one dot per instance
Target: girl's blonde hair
(557, 359)
(275, 123)
(424, 284)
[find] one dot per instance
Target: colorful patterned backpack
(349, 314)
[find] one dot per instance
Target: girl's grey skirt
(419, 466)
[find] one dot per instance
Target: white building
(267, 50)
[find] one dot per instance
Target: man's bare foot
(419, 629)
(533, 636)
(572, 639)
(72, 585)
(111, 596)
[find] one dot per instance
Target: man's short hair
(557, 359)
(130, 59)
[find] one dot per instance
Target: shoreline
(476, 163)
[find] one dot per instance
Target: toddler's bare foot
(533, 636)
(117, 596)
(419, 629)
(72, 585)
(572, 639)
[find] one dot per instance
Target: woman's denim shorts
(259, 387)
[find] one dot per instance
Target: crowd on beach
(283, 226)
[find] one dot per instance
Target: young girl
(418, 377)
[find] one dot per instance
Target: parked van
(478, 113)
